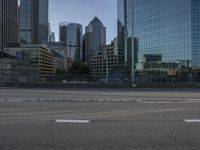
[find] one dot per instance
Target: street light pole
(107, 68)
(133, 62)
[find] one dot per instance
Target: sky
(83, 11)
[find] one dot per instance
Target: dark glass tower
(95, 38)
(33, 21)
(120, 30)
(9, 35)
(167, 27)
(71, 35)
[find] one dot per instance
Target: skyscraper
(120, 31)
(71, 35)
(52, 37)
(95, 38)
(9, 35)
(33, 21)
(168, 27)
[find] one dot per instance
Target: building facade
(71, 35)
(170, 28)
(14, 71)
(9, 35)
(39, 56)
(104, 63)
(33, 21)
(43, 58)
(52, 37)
(61, 49)
(95, 38)
(58, 62)
(120, 31)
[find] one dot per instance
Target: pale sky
(83, 11)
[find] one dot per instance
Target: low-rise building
(59, 50)
(58, 62)
(104, 63)
(39, 56)
(15, 71)
(43, 58)
(153, 69)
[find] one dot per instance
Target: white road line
(72, 121)
(192, 120)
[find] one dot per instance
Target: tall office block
(167, 27)
(83, 48)
(95, 38)
(71, 35)
(120, 31)
(33, 21)
(9, 35)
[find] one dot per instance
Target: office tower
(33, 21)
(52, 37)
(120, 31)
(167, 27)
(9, 35)
(71, 35)
(49, 32)
(95, 38)
(83, 48)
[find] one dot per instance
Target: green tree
(79, 68)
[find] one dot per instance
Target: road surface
(99, 120)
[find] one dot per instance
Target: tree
(79, 68)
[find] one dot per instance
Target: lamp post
(107, 72)
(133, 62)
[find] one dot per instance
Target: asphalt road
(50, 121)
(142, 95)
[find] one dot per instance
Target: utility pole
(133, 62)
(107, 72)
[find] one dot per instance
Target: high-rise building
(167, 27)
(71, 35)
(83, 48)
(9, 35)
(95, 38)
(105, 63)
(52, 37)
(120, 31)
(33, 21)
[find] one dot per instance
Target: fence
(138, 79)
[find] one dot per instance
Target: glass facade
(1, 29)
(167, 27)
(9, 35)
(71, 35)
(26, 21)
(33, 21)
(120, 30)
(95, 38)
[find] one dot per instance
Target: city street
(99, 119)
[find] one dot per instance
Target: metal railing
(139, 79)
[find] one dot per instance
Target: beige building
(43, 58)
(39, 56)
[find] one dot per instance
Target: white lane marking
(72, 121)
(192, 120)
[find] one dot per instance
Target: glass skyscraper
(95, 38)
(167, 27)
(120, 30)
(71, 35)
(33, 21)
(9, 35)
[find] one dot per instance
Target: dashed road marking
(72, 121)
(192, 120)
